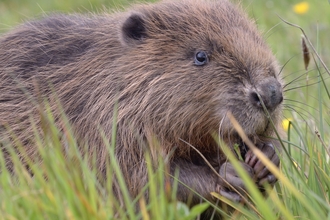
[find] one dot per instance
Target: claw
(270, 179)
(261, 171)
(252, 159)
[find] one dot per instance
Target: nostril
(254, 98)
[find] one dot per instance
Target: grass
(303, 192)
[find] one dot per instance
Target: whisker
(286, 64)
(300, 75)
(302, 115)
(311, 78)
(291, 100)
(299, 87)
(301, 109)
(220, 126)
(220, 134)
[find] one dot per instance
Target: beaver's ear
(133, 30)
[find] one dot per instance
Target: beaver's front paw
(231, 185)
(262, 174)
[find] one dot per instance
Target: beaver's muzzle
(271, 93)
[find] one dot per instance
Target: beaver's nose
(270, 91)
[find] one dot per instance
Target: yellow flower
(301, 8)
(285, 123)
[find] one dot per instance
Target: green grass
(303, 192)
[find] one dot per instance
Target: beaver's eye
(200, 58)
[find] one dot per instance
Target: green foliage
(65, 187)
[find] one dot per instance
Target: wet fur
(93, 62)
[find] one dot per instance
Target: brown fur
(143, 60)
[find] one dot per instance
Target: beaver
(172, 71)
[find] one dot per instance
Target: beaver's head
(191, 64)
